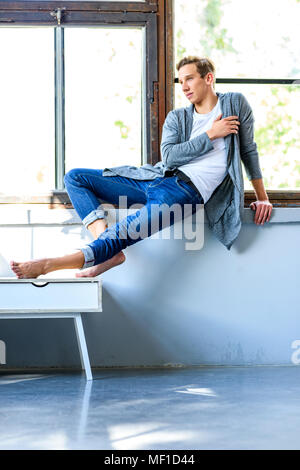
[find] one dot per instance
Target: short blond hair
(203, 64)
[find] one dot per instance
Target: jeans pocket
(186, 188)
(154, 184)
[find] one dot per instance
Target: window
(103, 83)
(256, 50)
(27, 143)
(79, 88)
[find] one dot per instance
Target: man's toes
(79, 275)
(16, 269)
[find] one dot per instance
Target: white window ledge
(23, 215)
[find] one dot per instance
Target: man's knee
(72, 175)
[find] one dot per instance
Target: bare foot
(34, 268)
(119, 258)
(30, 269)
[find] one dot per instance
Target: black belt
(183, 177)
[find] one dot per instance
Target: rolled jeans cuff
(92, 216)
(89, 258)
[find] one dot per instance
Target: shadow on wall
(124, 335)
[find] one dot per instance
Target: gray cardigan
(225, 207)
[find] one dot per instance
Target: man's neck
(207, 104)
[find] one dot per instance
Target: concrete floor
(181, 408)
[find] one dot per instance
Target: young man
(202, 147)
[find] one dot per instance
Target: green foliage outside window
(245, 46)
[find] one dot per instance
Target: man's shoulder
(175, 117)
(237, 101)
(233, 96)
(179, 113)
(236, 98)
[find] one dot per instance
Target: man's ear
(209, 78)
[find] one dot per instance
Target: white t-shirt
(209, 170)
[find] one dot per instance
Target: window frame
(149, 15)
(160, 85)
(278, 197)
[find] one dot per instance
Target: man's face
(193, 86)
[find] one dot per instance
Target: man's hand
(223, 127)
(263, 210)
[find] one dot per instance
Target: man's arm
(249, 155)
(175, 154)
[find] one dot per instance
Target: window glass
(276, 130)
(103, 106)
(27, 142)
(245, 44)
(259, 39)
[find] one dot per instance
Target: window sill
(38, 215)
(53, 199)
(277, 197)
(60, 199)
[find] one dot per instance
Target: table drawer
(50, 295)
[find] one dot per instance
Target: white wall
(166, 305)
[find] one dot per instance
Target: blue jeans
(88, 189)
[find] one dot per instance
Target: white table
(53, 298)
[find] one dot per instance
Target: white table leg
(84, 356)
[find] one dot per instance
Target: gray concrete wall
(166, 305)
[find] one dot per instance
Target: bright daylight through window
(103, 103)
(103, 97)
(258, 40)
(27, 143)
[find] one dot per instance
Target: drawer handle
(40, 285)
